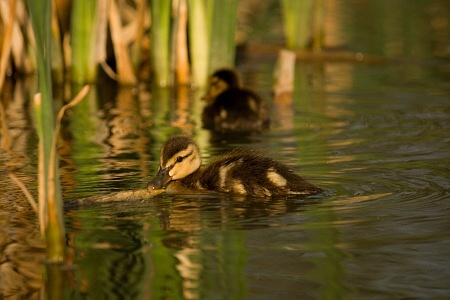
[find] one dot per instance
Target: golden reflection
(5, 142)
(340, 78)
(182, 109)
(284, 111)
(283, 89)
(22, 250)
(126, 124)
(21, 257)
(190, 269)
(15, 120)
(111, 122)
(338, 204)
(185, 218)
(333, 23)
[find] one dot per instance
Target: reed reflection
(208, 237)
(21, 248)
(106, 138)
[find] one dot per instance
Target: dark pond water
(375, 136)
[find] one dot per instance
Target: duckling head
(220, 81)
(179, 158)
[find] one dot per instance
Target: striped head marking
(180, 156)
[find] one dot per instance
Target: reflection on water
(193, 245)
(376, 137)
(22, 253)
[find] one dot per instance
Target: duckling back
(236, 110)
(248, 173)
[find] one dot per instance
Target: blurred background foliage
(165, 42)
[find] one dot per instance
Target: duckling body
(243, 172)
(231, 107)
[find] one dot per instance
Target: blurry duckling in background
(241, 172)
(231, 108)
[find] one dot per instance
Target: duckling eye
(180, 158)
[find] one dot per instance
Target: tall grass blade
(88, 34)
(160, 41)
(142, 16)
(318, 25)
(125, 71)
(199, 41)
(297, 22)
(50, 202)
(222, 34)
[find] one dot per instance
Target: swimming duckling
(238, 171)
(231, 108)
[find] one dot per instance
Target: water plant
(88, 38)
(160, 40)
(49, 190)
(222, 24)
(297, 20)
(50, 206)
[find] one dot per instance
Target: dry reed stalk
(25, 191)
(125, 72)
(100, 31)
(47, 208)
(182, 57)
(6, 47)
(284, 77)
(199, 41)
(80, 96)
(6, 138)
(141, 26)
(57, 63)
(19, 49)
(6, 147)
(41, 179)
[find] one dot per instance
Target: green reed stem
(199, 40)
(51, 217)
(58, 68)
(318, 25)
(83, 36)
(297, 22)
(160, 41)
(223, 15)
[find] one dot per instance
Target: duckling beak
(161, 180)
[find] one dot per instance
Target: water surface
(376, 137)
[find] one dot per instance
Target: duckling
(231, 108)
(241, 172)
